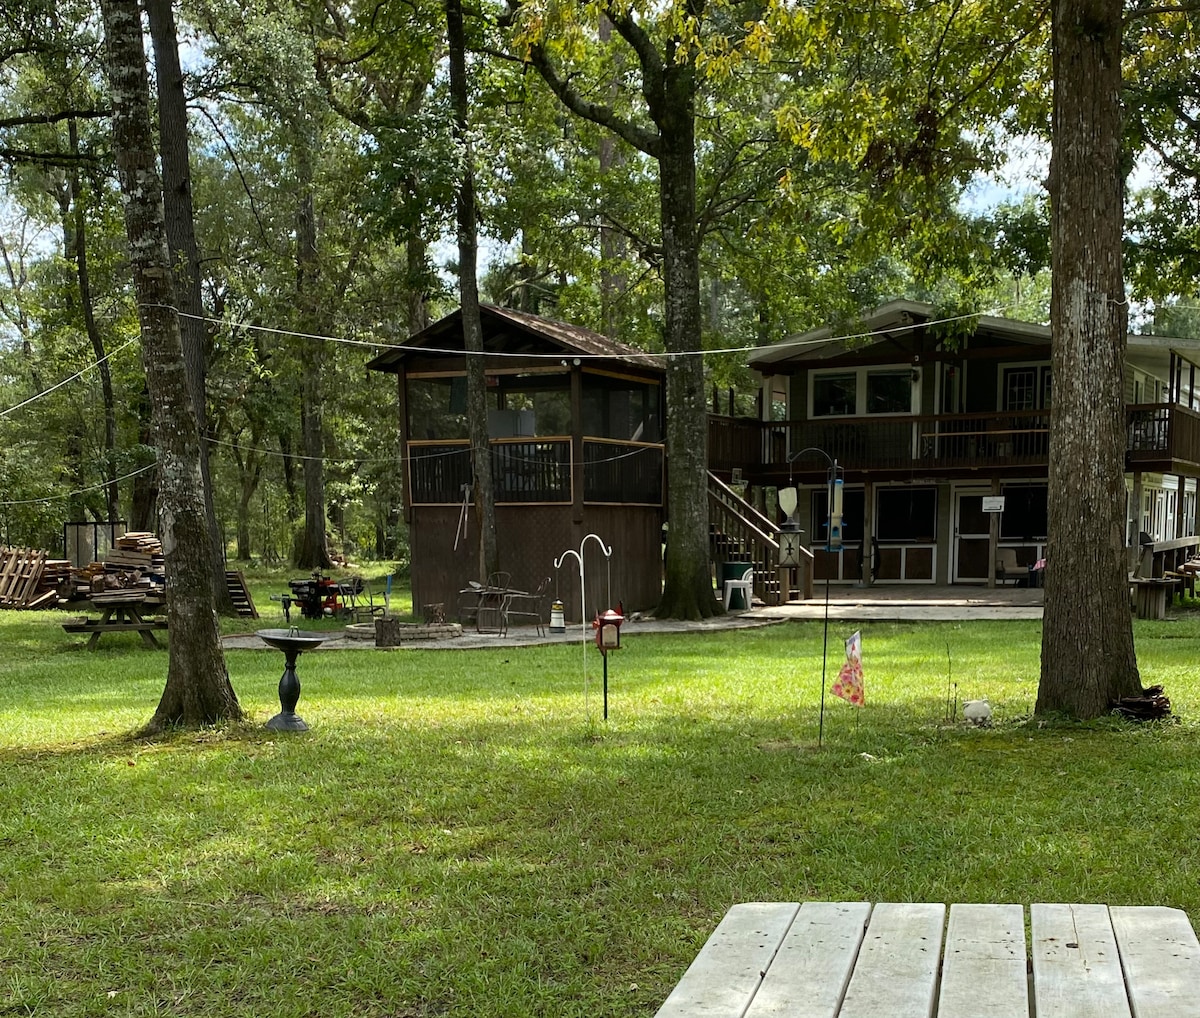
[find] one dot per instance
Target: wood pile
(135, 563)
(28, 579)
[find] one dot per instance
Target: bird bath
(292, 642)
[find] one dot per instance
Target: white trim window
(859, 392)
(1025, 387)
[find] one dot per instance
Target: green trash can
(732, 571)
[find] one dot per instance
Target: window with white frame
(1025, 387)
(858, 392)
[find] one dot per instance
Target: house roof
(882, 325)
(510, 332)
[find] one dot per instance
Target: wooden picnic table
(118, 615)
(855, 960)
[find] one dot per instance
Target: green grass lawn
(461, 834)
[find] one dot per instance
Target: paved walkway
(878, 603)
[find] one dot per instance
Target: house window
(1025, 387)
(835, 395)
(906, 514)
(862, 391)
(853, 503)
(889, 392)
(1024, 517)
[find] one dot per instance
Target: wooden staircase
(740, 533)
(239, 593)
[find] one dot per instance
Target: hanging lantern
(791, 544)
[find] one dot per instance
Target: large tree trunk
(481, 454)
(86, 306)
(185, 258)
(688, 589)
(1088, 655)
(313, 552)
(198, 690)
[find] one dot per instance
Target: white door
(972, 537)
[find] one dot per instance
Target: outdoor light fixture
(790, 543)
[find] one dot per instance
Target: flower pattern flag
(849, 683)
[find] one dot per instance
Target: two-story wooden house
(927, 422)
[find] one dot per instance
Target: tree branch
(18, 155)
(641, 139)
(53, 118)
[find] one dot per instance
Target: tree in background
(198, 690)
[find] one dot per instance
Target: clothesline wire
(376, 345)
(80, 491)
(631, 355)
(71, 378)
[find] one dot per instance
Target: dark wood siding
(530, 538)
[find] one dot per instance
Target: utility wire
(82, 491)
(59, 385)
(376, 345)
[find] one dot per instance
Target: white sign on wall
(993, 503)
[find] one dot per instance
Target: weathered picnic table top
(857, 960)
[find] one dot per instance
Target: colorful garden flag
(849, 683)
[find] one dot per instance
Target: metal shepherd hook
(833, 542)
(558, 562)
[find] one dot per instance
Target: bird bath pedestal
(292, 642)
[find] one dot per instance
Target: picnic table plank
(810, 973)
(1161, 958)
(898, 963)
(1076, 966)
(983, 969)
(726, 974)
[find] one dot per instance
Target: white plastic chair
(745, 584)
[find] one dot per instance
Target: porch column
(868, 578)
(1180, 488)
(576, 444)
(993, 537)
(1136, 499)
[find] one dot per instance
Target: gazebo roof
(509, 333)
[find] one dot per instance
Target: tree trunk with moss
(198, 690)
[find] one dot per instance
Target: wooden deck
(855, 960)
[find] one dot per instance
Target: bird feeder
(558, 620)
(608, 630)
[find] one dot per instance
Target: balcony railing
(1161, 434)
(538, 470)
(626, 473)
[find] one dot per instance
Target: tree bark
(313, 552)
(1088, 656)
(481, 453)
(687, 588)
(185, 258)
(87, 308)
(669, 90)
(198, 690)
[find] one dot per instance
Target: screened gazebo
(575, 425)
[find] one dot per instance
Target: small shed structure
(575, 425)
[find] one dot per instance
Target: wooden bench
(855, 960)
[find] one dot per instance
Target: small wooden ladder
(239, 594)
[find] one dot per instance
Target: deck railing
(523, 470)
(625, 473)
(538, 471)
(1159, 433)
